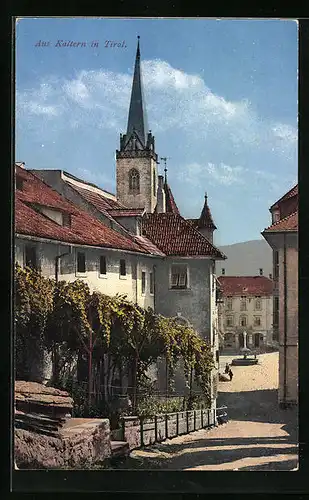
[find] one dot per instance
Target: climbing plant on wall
(67, 319)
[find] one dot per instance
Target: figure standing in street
(227, 368)
(230, 374)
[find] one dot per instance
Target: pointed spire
(206, 220)
(137, 119)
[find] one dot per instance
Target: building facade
(282, 236)
(245, 312)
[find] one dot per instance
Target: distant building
(246, 306)
(282, 236)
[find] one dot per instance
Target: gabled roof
(100, 202)
(84, 229)
(175, 236)
(169, 200)
(289, 194)
(289, 223)
(245, 285)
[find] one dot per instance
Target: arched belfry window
(134, 181)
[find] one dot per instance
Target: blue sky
(221, 99)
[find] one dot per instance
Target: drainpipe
(57, 259)
(285, 320)
(154, 287)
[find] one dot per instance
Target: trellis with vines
(67, 320)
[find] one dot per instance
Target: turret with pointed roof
(136, 170)
(205, 223)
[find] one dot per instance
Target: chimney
(161, 204)
(261, 271)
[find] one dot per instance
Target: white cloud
(175, 100)
(197, 174)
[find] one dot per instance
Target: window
(102, 264)
(257, 321)
(229, 303)
(243, 321)
(66, 220)
(123, 270)
(134, 181)
(261, 271)
(258, 303)
(223, 271)
(151, 283)
(154, 183)
(276, 312)
(275, 216)
(81, 262)
(143, 282)
(229, 321)
(179, 278)
(243, 304)
(31, 257)
(276, 264)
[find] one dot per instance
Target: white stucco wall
(110, 284)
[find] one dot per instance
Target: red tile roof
(99, 201)
(37, 192)
(245, 285)
(148, 245)
(289, 223)
(289, 194)
(84, 229)
(176, 236)
(170, 201)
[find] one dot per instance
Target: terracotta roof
(176, 236)
(37, 192)
(289, 223)
(149, 246)
(100, 202)
(289, 194)
(84, 229)
(206, 220)
(169, 200)
(246, 285)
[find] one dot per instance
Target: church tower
(136, 160)
(205, 223)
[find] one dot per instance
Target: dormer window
(66, 220)
(275, 216)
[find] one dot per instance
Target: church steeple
(137, 119)
(136, 159)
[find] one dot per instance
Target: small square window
(143, 282)
(179, 276)
(31, 257)
(151, 283)
(123, 270)
(81, 262)
(102, 264)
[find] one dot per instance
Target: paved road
(258, 436)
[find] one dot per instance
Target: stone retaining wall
(143, 432)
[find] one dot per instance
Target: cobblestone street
(258, 436)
